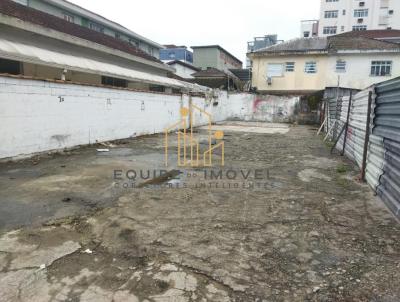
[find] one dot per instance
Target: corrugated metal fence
(387, 127)
(380, 157)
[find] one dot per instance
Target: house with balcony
(80, 16)
(44, 45)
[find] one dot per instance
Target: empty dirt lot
(283, 220)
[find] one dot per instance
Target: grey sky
(227, 23)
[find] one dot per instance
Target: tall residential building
(337, 16)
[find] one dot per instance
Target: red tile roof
(37, 17)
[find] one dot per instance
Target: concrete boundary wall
(39, 116)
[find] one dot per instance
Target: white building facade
(309, 28)
(337, 16)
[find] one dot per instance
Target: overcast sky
(229, 23)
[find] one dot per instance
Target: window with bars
(68, 17)
(360, 13)
(310, 67)
(330, 30)
(110, 81)
(331, 14)
(359, 27)
(290, 66)
(96, 27)
(381, 68)
(341, 66)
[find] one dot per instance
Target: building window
(340, 66)
(134, 42)
(306, 34)
(117, 36)
(290, 66)
(10, 67)
(96, 27)
(68, 17)
(330, 30)
(359, 27)
(331, 14)
(360, 13)
(344, 12)
(274, 70)
(109, 81)
(381, 68)
(310, 67)
(157, 88)
(332, 0)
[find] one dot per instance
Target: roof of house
(297, 45)
(218, 47)
(183, 64)
(359, 43)
(329, 44)
(372, 34)
(40, 18)
(172, 46)
(242, 74)
(210, 73)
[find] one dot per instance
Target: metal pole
(347, 123)
(364, 162)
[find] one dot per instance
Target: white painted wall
(38, 116)
(32, 118)
(358, 70)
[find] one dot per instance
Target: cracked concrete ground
(70, 231)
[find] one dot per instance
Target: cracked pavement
(311, 232)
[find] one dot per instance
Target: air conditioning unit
(361, 20)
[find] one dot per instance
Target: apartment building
(78, 15)
(338, 16)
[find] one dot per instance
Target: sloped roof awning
(36, 55)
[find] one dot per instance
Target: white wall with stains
(38, 116)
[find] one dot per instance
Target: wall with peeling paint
(38, 116)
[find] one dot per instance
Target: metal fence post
(347, 123)
(366, 142)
